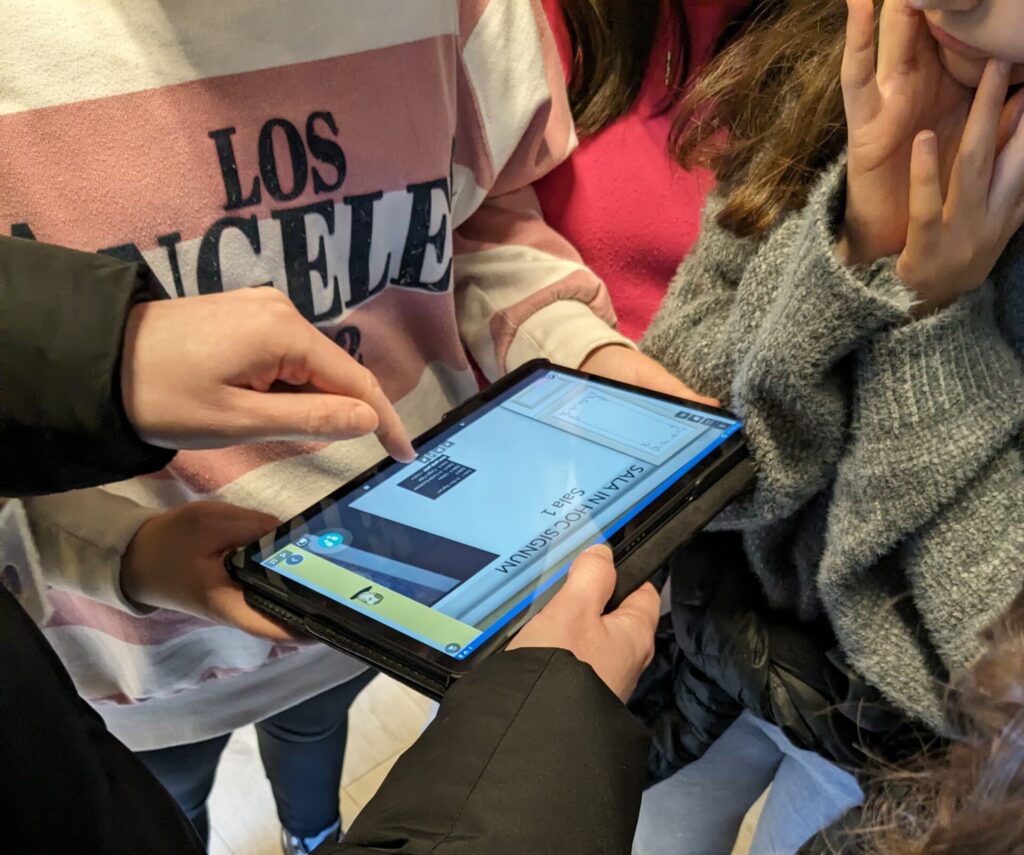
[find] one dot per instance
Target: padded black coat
(724, 651)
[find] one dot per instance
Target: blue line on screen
(602, 538)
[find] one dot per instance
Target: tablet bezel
(316, 607)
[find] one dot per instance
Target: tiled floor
(385, 720)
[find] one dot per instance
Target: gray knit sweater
(891, 451)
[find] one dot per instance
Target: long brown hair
(970, 799)
(612, 41)
(767, 114)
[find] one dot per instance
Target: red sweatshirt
(632, 213)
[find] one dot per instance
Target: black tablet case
(638, 566)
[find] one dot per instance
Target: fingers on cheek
(926, 198)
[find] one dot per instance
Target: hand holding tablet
(619, 645)
(428, 568)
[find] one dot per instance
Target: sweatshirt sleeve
(522, 291)
(770, 326)
(930, 491)
(537, 756)
(62, 318)
(81, 536)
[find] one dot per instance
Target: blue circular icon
(293, 559)
(331, 540)
(453, 647)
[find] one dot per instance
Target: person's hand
(176, 561)
(618, 362)
(955, 239)
(619, 645)
(221, 369)
(887, 104)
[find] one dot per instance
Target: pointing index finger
(331, 369)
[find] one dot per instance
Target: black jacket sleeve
(531, 753)
(62, 319)
(67, 785)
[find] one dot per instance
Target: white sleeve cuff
(81, 536)
(566, 332)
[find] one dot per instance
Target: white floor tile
(350, 809)
(384, 721)
(242, 809)
(363, 789)
(218, 846)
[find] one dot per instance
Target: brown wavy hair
(611, 42)
(767, 114)
(970, 799)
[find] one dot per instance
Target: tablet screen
(452, 547)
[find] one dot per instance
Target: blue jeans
(699, 810)
(302, 750)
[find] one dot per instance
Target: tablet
(426, 568)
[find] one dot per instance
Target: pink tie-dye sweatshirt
(372, 159)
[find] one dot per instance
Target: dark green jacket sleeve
(62, 319)
(530, 754)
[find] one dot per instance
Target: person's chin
(967, 71)
(964, 70)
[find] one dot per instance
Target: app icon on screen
(331, 540)
(293, 559)
(369, 597)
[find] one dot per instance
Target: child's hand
(618, 645)
(176, 561)
(618, 362)
(219, 369)
(954, 240)
(886, 107)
